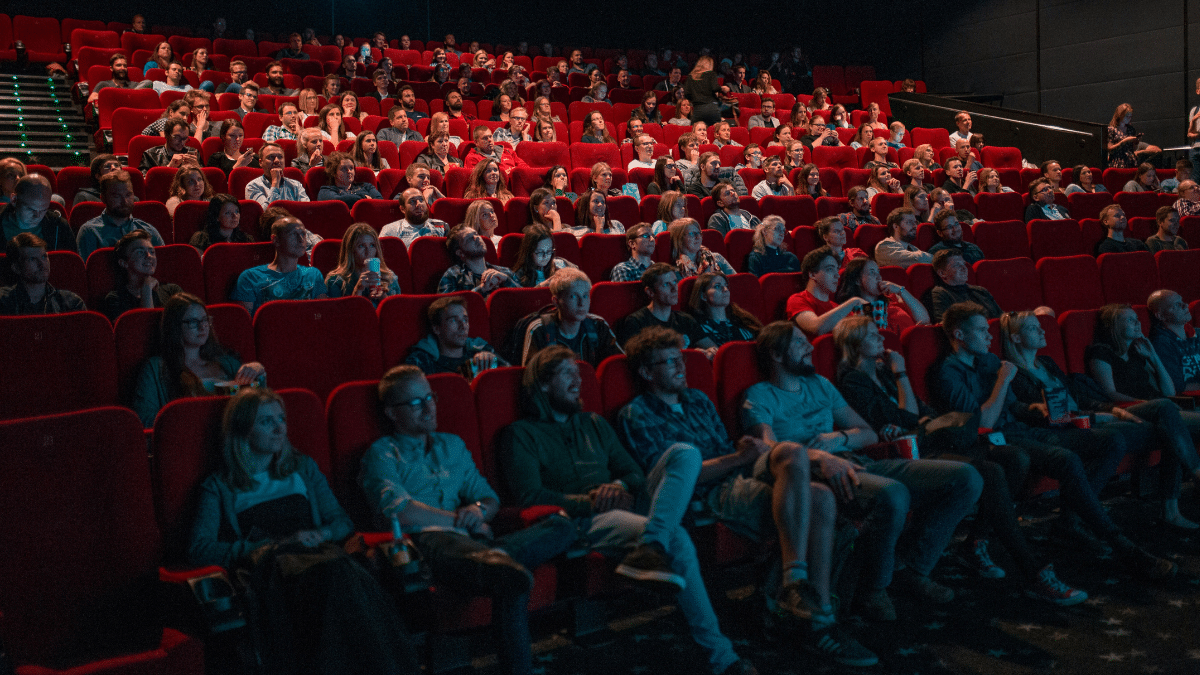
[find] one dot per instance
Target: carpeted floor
(1126, 626)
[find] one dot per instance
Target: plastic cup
(908, 445)
(1081, 422)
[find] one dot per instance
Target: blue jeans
(1033, 449)
(1194, 156)
(939, 493)
(209, 86)
(669, 486)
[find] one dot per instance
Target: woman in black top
(232, 155)
(719, 317)
(135, 263)
(666, 177)
(703, 90)
(770, 253)
(221, 224)
(874, 382)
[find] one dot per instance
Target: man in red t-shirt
(813, 309)
(486, 149)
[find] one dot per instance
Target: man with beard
(758, 489)
(400, 129)
(454, 107)
(294, 50)
(119, 67)
(473, 272)
(32, 293)
(408, 101)
(798, 405)
(175, 152)
(275, 84)
(416, 221)
(485, 149)
(860, 210)
(284, 278)
(564, 456)
(309, 146)
(660, 281)
(117, 218)
(448, 346)
(898, 249)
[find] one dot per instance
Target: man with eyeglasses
(248, 100)
(640, 240)
(32, 292)
(515, 132)
(400, 129)
(1188, 203)
(1041, 197)
(569, 323)
(950, 232)
(273, 186)
(449, 348)
(485, 148)
(289, 114)
(427, 483)
(820, 134)
(284, 278)
(239, 74)
(644, 147)
(765, 117)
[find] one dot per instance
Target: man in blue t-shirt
(283, 278)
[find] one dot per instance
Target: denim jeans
(669, 486)
(939, 494)
(1194, 156)
(1033, 449)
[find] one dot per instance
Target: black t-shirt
(1131, 376)
(679, 322)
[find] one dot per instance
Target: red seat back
(1054, 238)
(223, 263)
(430, 260)
(1072, 282)
(177, 264)
(1002, 239)
(76, 367)
(1000, 206)
(1138, 204)
(923, 347)
(619, 385)
(1001, 158)
(1077, 329)
(616, 300)
(545, 155)
(599, 253)
(505, 306)
(776, 289)
(1013, 282)
(1177, 271)
(329, 219)
(402, 322)
(795, 211)
(836, 157)
(1128, 278)
(1087, 204)
(735, 368)
(938, 138)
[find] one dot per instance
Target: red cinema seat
(223, 263)
(430, 260)
(835, 157)
(1088, 204)
(1002, 239)
(545, 155)
(1001, 206)
(1177, 271)
(1013, 283)
(76, 366)
(1115, 179)
(776, 289)
(831, 206)
(1128, 278)
(867, 237)
(1054, 238)
(619, 386)
(67, 604)
(1077, 329)
(328, 219)
(599, 253)
(506, 306)
(587, 155)
(318, 344)
(616, 300)
(177, 264)
(735, 368)
(884, 203)
(938, 138)
(402, 322)
(795, 211)
(377, 212)
(998, 157)
(1070, 283)
(920, 278)
(1138, 204)
(923, 347)
(42, 37)
(453, 210)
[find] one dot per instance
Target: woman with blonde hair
(354, 274)
(1124, 144)
(770, 252)
(925, 155)
(763, 85)
(601, 180)
(189, 184)
(820, 100)
(542, 111)
(308, 102)
(873, 117)
(690, 254)
(481, 217)
(487, 180)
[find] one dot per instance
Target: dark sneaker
(741, 667)
(877, 606)
(496, 571)
(797, 602)
(980, 560)
(922, 587)
(1142, 562)
(837, 644)
(1047, 587)
(1069, 529)
(649, 565)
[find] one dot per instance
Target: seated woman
(1053, 398)
(351, 109)
(487, 180)
(770, 253)
(221, 224)
(556, 181)
(543, 211)
(719, 317)
(671, 207)
(925, 155)
(366, 152)
(862, 138)
(354, 271)
(763, 84)
(667, 177)
(989, 181)
(648, 111)
(500, 111)
(189, 184)
(597, 93)
(782, 136)
(536, 261)
(820, 100)
(544, 132)
(1145, 180)
(874, 381)
(793, 156)
(332, 124)
(840, 119)
(877, 119)
(232, 155)
(481, 217)
(601, 180)
(308, 102)
(542, 111)
(809, 181)
(892, 306)
(135, 262)
(437, 155)
(881, 181)
(917, 199)
(689, 253)
(683, 114)
(832, 231)
(591, 216)
(269, 513)
(339, 172)
(595, 129)
(191, 361)
(1084, 181)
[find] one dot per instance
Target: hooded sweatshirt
(426, 356)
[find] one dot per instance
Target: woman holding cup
(361, 267)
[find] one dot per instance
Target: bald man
(30, 212)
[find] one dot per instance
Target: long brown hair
(178, 379)
(698, 303)
(475, 187)
(239, 418)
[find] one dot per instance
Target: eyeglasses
(645, 235)
(418, 402)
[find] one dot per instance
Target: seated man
(454, 107)
(774, 180)
(408, 100)
(117, 218)
(273, 186)
(427, 483)
(860, 210)
(1174, 340)
(958, 179)
(896, 139)
(1052, 172)
(1112, 217)
(879, 154)
(1183, 171)
(758, 488)
(449, 348)
(962, 149)
(722, 135)
(284, 278)
(380, 80)
(516, 131)
(1167, 238)
(820, 134)
(486, 149)
(952, 271)
(32, 292)
(674, 79)
(963, 122)
(175, 152)
(563, 456)
(30, 212)
(971, 379)
(640, 240)
(813, 309)
(275, 85)
(416, 222)
(708, 174)
(399, 130)
(472, 271)
(796, 404)
(239, 75)
(419, 176)
(569, 323)
(661, 285)
(118, 65)
(898, 249)
(729, 214)
(1041, 203)
(289, 114)
(765, 117)
(294, 50)
(309, 148)
(247, 100)
(643, 149)
(950, 232)
(175, 80)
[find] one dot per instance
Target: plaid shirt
(461, 278)
(276, 132)
(1187, 207)
(851, 221)
(647, 426)
(630, 270)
